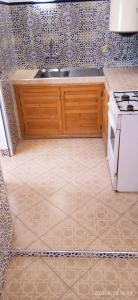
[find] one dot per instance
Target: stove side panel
(128, 155)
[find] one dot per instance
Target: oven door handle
(111, 121)
(116, 151)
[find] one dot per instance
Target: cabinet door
(105, 118)
(82, 110)
(39, 110)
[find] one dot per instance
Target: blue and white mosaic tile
(6, 230)
(79, 32)
(7, 65)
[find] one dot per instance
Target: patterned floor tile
(70, 198)
(51, 159)
(22, 237)
(46, 184)
(12, 183)
(132, 213)
(68, 235)
(42, 217)
(16, 266)
(70, 170)
(128, 268)
(95, 217)
(93, 181)
(120, 202)
(38, 246)
(99, 245)
(102, 281)
(70, 269)
(28, 171)
(22, 199)
(122, 236)
(37, 281)
(70, 296)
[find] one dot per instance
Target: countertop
(122, 79)
(27, 77)
(118, 79)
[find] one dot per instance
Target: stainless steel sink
(51, 73)
(85, 72)
(69, 72)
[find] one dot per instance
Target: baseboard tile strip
(69, 253)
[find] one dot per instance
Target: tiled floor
(61, 197)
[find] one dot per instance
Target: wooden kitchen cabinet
(39, 109)
(60, 110)
(105, 118)
(82, 110)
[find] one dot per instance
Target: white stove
(122, 149)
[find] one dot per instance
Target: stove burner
(130, 107)
(125, 97)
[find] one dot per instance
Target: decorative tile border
(6, 230)
(70, 253)
(14, 2)
(5, 152)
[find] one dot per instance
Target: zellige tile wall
(79, 32)
(7, 65)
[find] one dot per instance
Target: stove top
(127, 101)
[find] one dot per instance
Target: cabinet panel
(40, 110)
(51, 110)
(82, 110)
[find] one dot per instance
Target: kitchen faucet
(51, 53)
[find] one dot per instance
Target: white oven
(122, 147)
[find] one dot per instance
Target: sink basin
(69, 72)
(85, 72)
(51, 73)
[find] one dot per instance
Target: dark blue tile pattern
(80, 32)
(5, 229)
(7, 66)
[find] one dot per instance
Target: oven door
(113, 148)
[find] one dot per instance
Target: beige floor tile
(89, 158)
(102, 281)
(70, 296)
(37, 281)
(42, 217)
(16, 266)
(38, 246)
(22, 199)
(99, 245)
(12, 183)
(46, 184)
(70, 269)
(132, 213)
(128, 268)
(93, 181)
(70, 198)
(68, 235)
(52, 158)
(120, 202)
(27, 171)
(122, 236)
(95, 217)
(70, 170)
(22, 237)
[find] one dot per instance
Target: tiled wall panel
(7, 66)
(6, 230)
(79, 32)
